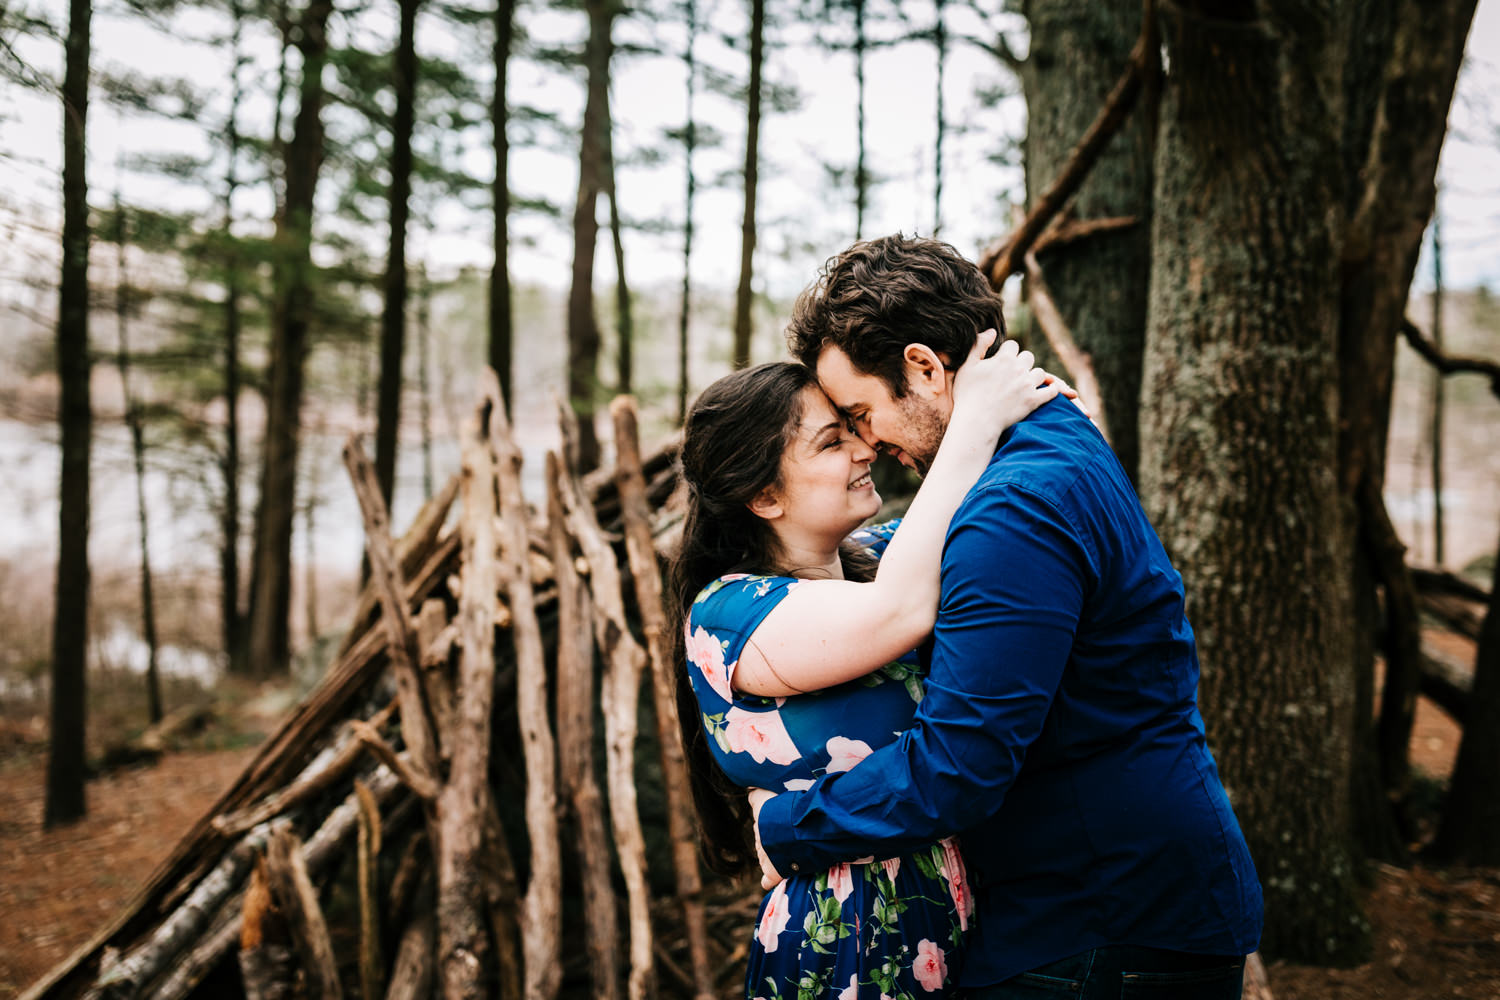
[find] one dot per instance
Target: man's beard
(924, 432)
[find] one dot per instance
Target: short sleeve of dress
(876, 537)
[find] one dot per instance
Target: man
(1059, 735)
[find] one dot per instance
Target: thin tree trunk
(65, 758)
(624, 327)
(393, 316)
(1238, 366)
(1435, 421)
(940, 40)
(861, 175)
(133, 423)
(232, 623)
(1100, 285)
(270, 648)
(500, 312)
(689, 142)
(583, 325)
(743, 295)
(424, 379)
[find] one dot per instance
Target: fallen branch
(292, 887)
(400, 764)
(1080, 369)
(1000, 262)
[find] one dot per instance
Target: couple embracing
(971, 735)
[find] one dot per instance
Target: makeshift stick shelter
(365, 850)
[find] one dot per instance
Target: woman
(797, 654)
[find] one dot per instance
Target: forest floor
(1437, 932)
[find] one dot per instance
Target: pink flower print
(796, 784)
(850, 992)
(845, 753)
(953, 872)
(929, 968)
(774, 920)
(891, 866)
(760, 734)
(705, 653)
(840, 882)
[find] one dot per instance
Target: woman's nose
(863, 450)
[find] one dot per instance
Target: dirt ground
(1437, 933)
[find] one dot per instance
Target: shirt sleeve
(1015, 576)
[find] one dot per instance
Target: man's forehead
(848, 388)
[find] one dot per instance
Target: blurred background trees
(327, 217)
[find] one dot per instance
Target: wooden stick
(1062, 233)
(292, 887)
(267, 966)
(462, 941)
(410, 553)
(541, 909)
(395, 615)
(1403, 638)
(1257, 983)
(400, 764)
(325, 771)
(575, 739)
(1449, 365)
(641, 551)
(502, 894)
(1000, 262)
(189, 972)
(1074, 359)
(411, 976)
(435, 637)
(624, 660)
(371, 968)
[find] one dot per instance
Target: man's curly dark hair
(880, 295)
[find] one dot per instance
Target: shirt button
(794, 867)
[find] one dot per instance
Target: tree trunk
(270, 601)
(940, 42)
(689, 143)
(861, 175)
(1435, 419)
(1403, 69)
(424, 378)
(232, 623)
(134, 424)
(1240, 355)
(1078, 52)
(65, 757)
(500, 318)
(743, 295)
(624, 327)
(583, 325)
(1470, 829)
(393, 316)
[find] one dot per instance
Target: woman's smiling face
(825, 474)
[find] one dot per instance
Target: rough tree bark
(744, 295)
(1240, 356)
(624, 322)
(689, 145)
(583, 324)
(270, 599)
(65, 757)
(393, 314)
(1078, 52)
(231, 622)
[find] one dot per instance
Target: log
(624, 661)
(292, 888)
(267, 965)
(435, 638)
(188, 973)
(371, 968)
(461, 804)
(502, 896)
(1257, 983)
(646, 572)
(1447, 684)
(411, 976)
(575, 744)
(541, 908)
(1403, 641)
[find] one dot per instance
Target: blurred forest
(267, 225)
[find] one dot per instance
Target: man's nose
(866, 451)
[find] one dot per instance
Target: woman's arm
(826, 632)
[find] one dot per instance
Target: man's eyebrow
(821, 432)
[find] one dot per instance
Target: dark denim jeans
(1122, 972)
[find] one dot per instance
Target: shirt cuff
(777, 836)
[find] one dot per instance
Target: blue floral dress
(867, 930)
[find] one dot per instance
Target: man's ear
(925, 372)
(766, 504)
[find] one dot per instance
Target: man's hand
(769, 876)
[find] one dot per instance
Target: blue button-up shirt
(1060, 734)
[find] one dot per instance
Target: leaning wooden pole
(644, 569)
(624, 661)
(464, 800)
(541, 909)
(575, 737)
